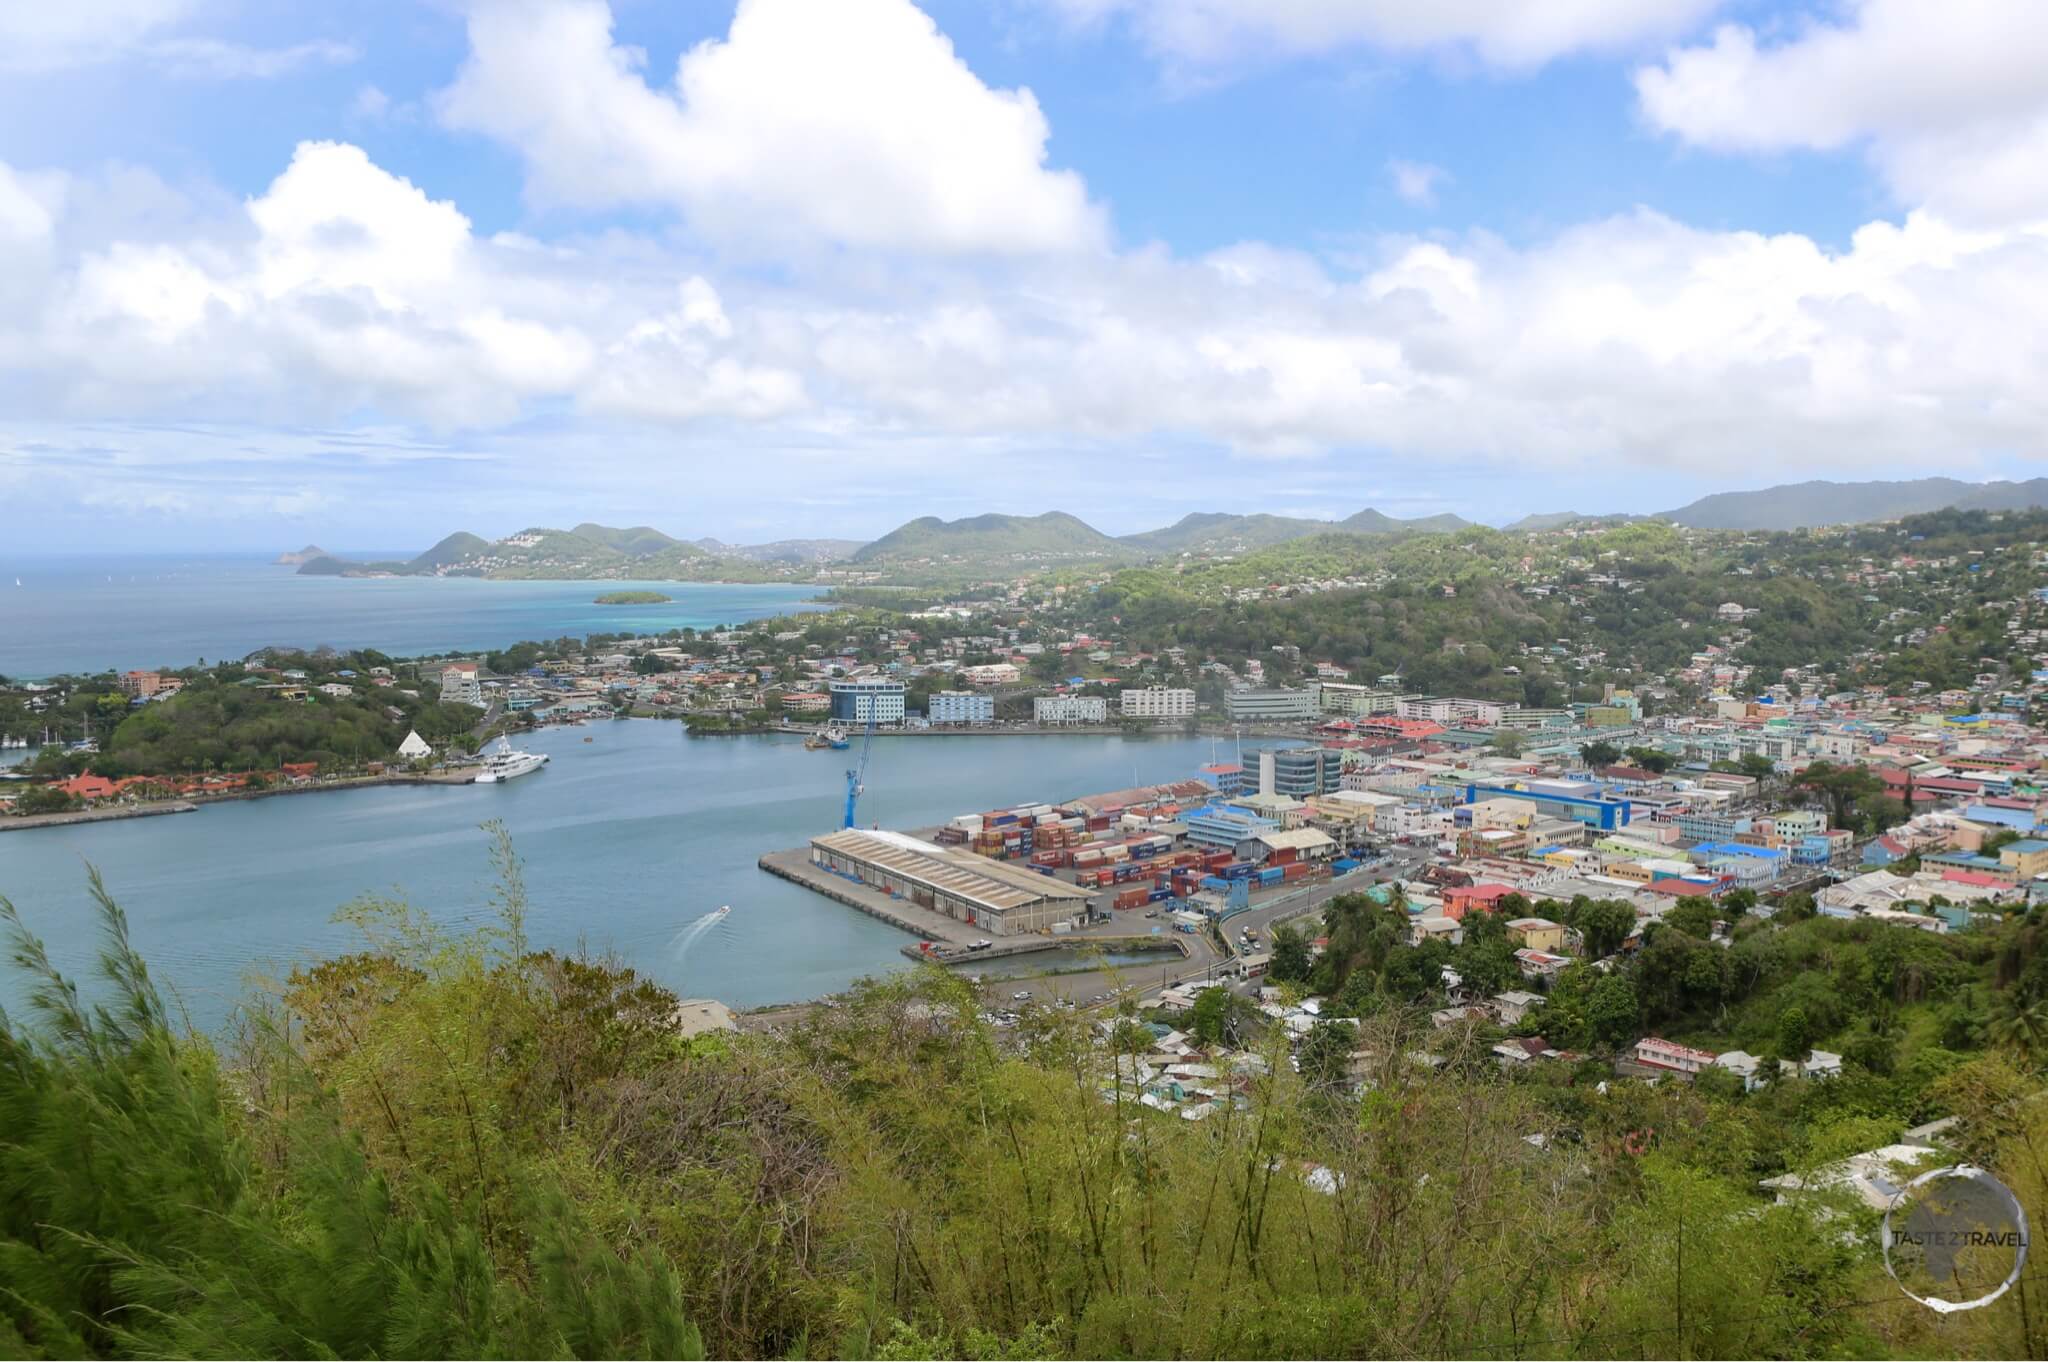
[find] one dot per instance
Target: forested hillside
(1448, 611)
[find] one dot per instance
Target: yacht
(506, 762)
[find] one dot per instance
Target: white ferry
(507, 763)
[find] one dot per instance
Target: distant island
(633, 598)
(304, 555)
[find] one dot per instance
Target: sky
(366, 272)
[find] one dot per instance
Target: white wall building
(1070, 709)
(961, 707)
(459, 685)
(1157, 702)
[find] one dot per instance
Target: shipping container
(1272, 874)
(1344, 867)
(1296, 871)
(1158, 896)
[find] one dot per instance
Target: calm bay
(91, 614)
(628, 839)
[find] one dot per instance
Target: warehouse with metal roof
(1000, 899)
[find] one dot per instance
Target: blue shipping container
(1344, 867)
(1158, 896)
(1272, 875)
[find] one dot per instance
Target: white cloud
(1415, 181)
(1634, 343)
(847, 121)
(37, 36)
(213, 59)
(1948, 99)
(1224, 33)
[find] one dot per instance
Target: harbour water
(628, 841)
(89, 614)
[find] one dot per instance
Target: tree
(1601, 753)
(1651, 760)
(1325, 1054)
(1793, 1033)
(1613, 1013)
(1292, 954)
(2021, 1025)
(1603, 924)
(1694, 916)
(1206, 1018)
(43, 799)
(1507, 743)
(1756, 765)
(1841, 788)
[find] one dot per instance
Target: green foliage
(448, 1144)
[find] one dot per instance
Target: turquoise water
(85, 615)
(628, 839)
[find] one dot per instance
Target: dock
(795, 866)
(106, 815)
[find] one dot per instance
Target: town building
(961, 707)
(1070, 709)
(1300, 772)
(459, 685)
(1269, 706)
(142, 685)
(856, 699)
(1157, 702)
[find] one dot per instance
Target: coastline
(193, 803)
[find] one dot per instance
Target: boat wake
(692, 933)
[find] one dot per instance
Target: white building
(415, 748)
(1157, 702)
(459, 685)
(1664, 1054)
(1070, 709)
(1260, 706)
(1452, 711)
(961, 707)
(856, 699)
(991, 674)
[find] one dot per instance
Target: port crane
(856, 776)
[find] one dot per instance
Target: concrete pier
(795, 866)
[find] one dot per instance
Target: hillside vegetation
(453, 1145)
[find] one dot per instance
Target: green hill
(456, 548)
(637, 542)
(994, 539)
(1802, 505)
(1370, 521)
(1216, 531)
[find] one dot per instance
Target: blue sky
(370, 271)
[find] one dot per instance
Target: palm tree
(2022, 1026)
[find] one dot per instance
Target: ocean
(88, 614)
(629, 839)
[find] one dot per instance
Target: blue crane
(857, 776)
